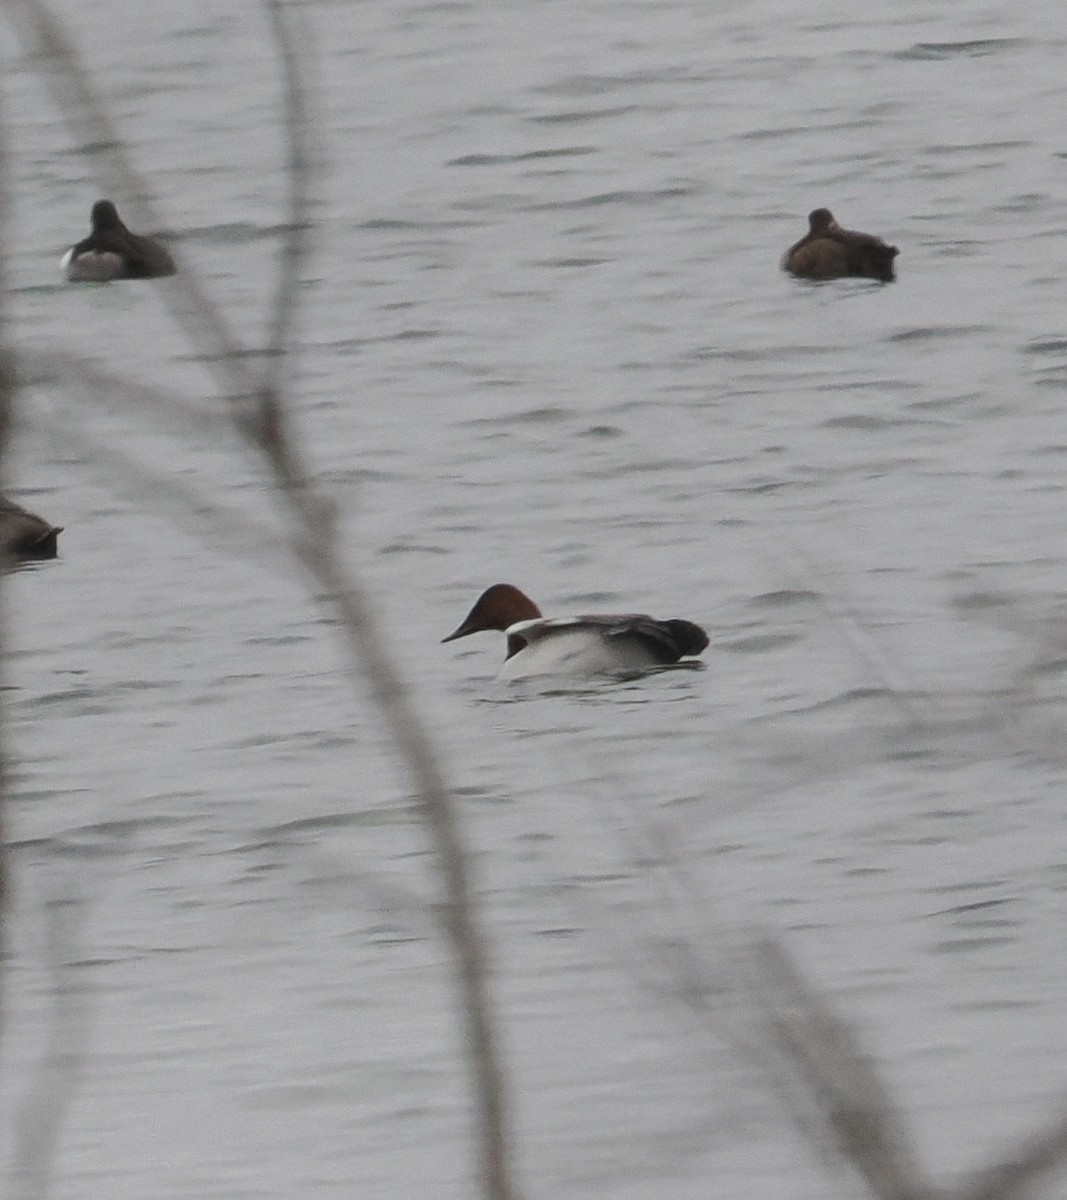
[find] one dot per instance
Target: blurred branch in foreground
(54, 1086)
(745, 991)
(258, 405)
(8, 385)
(854, 1110)
(841, 1096)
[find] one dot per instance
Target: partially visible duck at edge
(111, 251)
(24, 536)
(599, 644)
(827, 251)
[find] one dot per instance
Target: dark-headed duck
(24, 536)
(597, 644)
(111, 251)
(827, 251)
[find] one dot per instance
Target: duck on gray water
(593, 644)
(24, 536)
(827, 251)
(111, 251)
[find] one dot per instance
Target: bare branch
(170, 409)
(259, 412)
(292, 56)
(1021, 1169)
(859, 639)
(377, 669)
(840, 1080)
(44, 1109)
(225, 529)
(8, 387)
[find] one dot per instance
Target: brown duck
(827, 251)
(24, 536)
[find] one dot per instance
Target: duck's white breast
(92, 266)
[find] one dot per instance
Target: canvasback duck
(622, 644)
(827, 251)
(111, 251)
(24, 536)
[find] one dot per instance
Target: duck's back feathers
(627, 644)
(822, 259)
(668, 640)
(663, 642)
(827, 251)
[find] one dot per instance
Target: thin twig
(8, 388)
(292, 56)
(841, 1082)
(318, 547)
(225, 529)
(54, 1085)
(170, 409)
(266, 428)
(373, 665)
(863, 644)
(1023, 1168)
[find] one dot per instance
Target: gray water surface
(547, 342)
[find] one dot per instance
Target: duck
(589, 645)
(24, 536)
(827, 251)
(111, 251)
